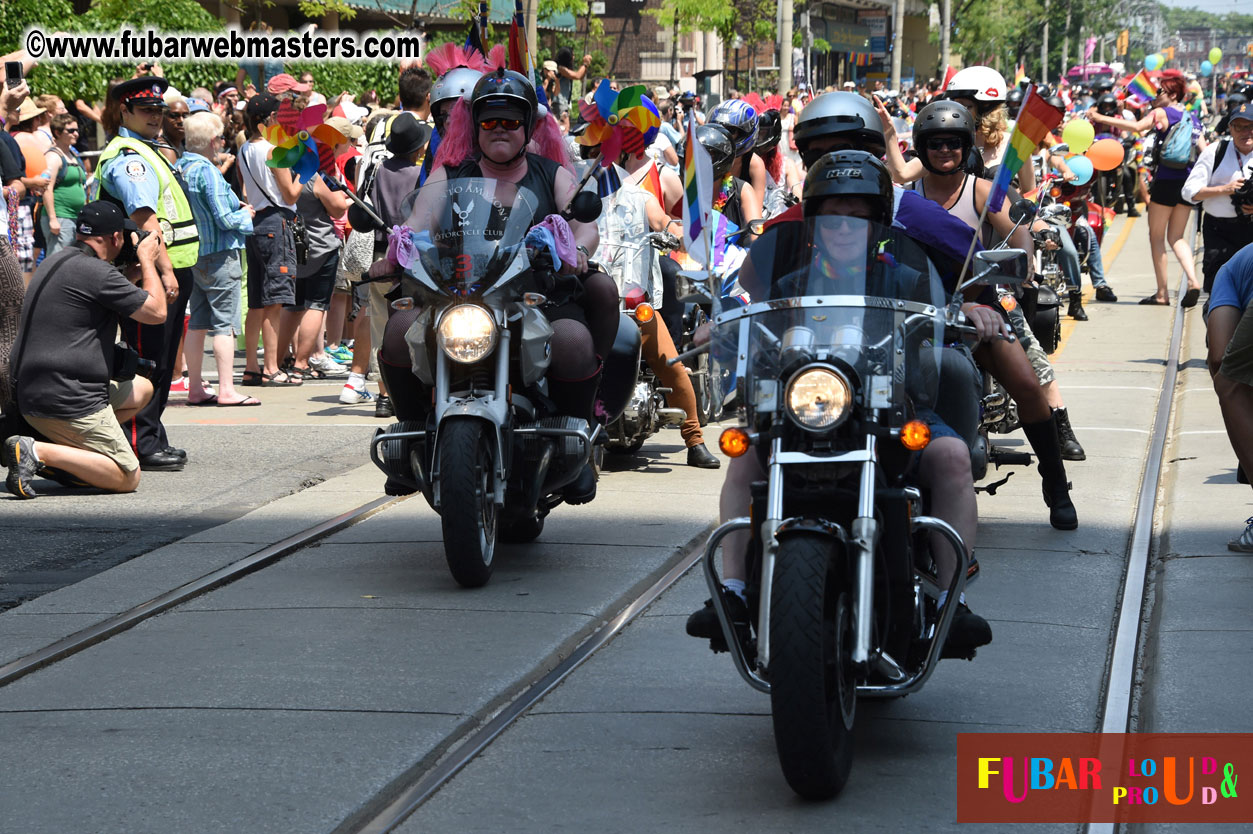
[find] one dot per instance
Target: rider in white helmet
(982, 90)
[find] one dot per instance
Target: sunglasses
(507, 124)
(68, 130)
(944, 144)
(844, 221)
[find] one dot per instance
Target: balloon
(1152, 62)
(1215, 55)
(33, 151)
(1207, 69)
(1082, 167)
(1078, 133)
(1105, 155)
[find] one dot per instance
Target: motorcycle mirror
(585, 207)
(757, 226)
(1060, 148)
(360, 219)
(1021, 210)
(1000, 266)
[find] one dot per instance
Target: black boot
(577, 398)
(1048, 451)
(1071, 450)
(1076, 306)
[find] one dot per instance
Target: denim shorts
(214, 302)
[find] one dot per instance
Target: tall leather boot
(1071, 450)
(1076, 311)
(577, 398)
(1048, 451)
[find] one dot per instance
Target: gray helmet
(943, 117)
(850, 174)
(845, 115)
(458, 82)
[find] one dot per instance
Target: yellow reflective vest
(178, 224)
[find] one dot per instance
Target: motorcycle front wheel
(813, 691)
(467, 472)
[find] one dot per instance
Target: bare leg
(1053, 394)
(288, 325)
(734, 502)
(269, 338)
(193, 346)
(945, 470)
(252, 334)
(90, 467)
(1176, 236)
(1159, 219)
(224, 357)
(308, 336)
(335, 318)
(361, 348)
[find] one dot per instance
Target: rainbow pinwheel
(302, 142)
(620, 122)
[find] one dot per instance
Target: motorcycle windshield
(840, 291)
(466, 237)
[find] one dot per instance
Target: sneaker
(1105, 293)
(340, 354)
(180, 386)
(703, 623)
(353, 396)
(23, 463)
(967, 632)
(383, 406)
(327, 366)
(1240, 544)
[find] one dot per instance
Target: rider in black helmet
(1013, 101)
(733, 196)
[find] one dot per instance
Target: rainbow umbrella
(625, 121)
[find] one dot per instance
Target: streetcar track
(98, 632)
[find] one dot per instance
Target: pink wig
(496, 59)
(450, 56)
(457, 141)
(547, 142)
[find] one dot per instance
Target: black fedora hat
(408, 135)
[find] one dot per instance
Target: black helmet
(845, 115)
(1100, 88)
(1107, 105)
(1056, 101)
(1013, 100)
(850, 174)
(1234, 101)
(714, 139)
(769, 130)
(943, 117)
(505, 93)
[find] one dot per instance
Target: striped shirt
(220, 220)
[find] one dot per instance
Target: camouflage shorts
(1039, 359)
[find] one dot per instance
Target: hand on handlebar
(987, 323)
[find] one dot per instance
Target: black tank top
(540, 180)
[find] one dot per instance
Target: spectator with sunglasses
(68, 194)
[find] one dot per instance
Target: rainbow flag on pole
(519, 57)
(698, 196)
(1142, 88)
(1020, 75)
(1036, 119)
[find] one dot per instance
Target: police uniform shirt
(131, 180)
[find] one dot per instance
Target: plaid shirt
(220, 220)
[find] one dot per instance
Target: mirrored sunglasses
(507, 124)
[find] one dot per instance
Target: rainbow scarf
(697, 195)
(1036, 120)
(1142, 88)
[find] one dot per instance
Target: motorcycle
(831, 360)
(1044, 315)
(476, 432)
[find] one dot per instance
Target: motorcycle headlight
(467, 333)
(819, 399)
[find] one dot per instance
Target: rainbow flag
(1142, 88)
(698, 196)
(1020, 75)
(1036, 120)
(519, 59)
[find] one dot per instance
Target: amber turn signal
(734, 442)
(915, 435)
(644, 313)
(1009, 303)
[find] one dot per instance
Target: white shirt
(1205, 173)
(260, 188)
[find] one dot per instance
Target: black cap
(408, 135)
(145, 91)
(103, 218)
(261, 106)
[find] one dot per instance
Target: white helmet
(983, 84)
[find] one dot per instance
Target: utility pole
(785, 47)
(1044, 48)
(532, 25)
(674, 53)
(898, 17)
(1065, 45)
(946, 25)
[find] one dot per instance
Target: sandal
(309, 373)
(255, 378)
(1190, 297)
(285, 378)
(1152, 299)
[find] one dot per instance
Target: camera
(128, 256)
(127, 363)
(1243, 197)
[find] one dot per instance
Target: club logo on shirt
(136, 170)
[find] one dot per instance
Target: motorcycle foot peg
(660, 390)
(672, 415)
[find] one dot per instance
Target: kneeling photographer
(1223, 179)
(75, 385)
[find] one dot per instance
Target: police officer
(134, 174)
